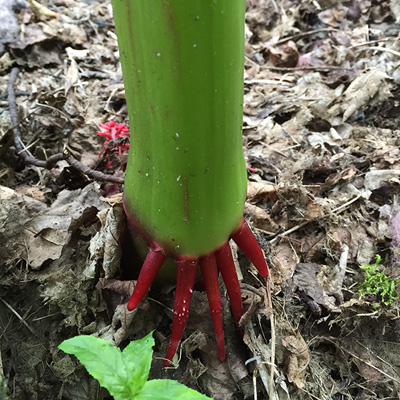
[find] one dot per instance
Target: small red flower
(114, 143)
(113, 130)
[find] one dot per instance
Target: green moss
(379, 284)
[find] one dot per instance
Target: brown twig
(305, 68)
(91, 173)
(300, 35)
(52, 160)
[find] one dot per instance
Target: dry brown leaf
(260, 218)
(116, 294)
(346, 174)
(284, 261)
(285, 55)
(33, 34)
(42, 11)
(260, 15)
(333, 16)
(362, 91)
(105, 245)
(62, 30)
(374, 179)
(298, 359)
(36, 192)
(395, 8)
(308, 278)
(314, 210)
(5, 62)
(218, 379)
(15, 211)
(258, 191)
(47, 233)
(71, 77)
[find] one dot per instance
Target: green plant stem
(182, 62)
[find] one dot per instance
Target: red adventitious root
(246, 241)
(154, 261)
(221, 260)
(209, 271)
(185, 276)
(227, 267)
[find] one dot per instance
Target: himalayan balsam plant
(186, 179)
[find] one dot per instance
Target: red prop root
(221, 260)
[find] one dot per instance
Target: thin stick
(18, 316)
(273, 342)
(372, 366)
(266, 82)
(291, 230)
(54, 109)
(273, 148)
(396, 53)
(91, 173)
(20, 148)
(345, 205)
(300, 35)
(255, 382)
(22, 152)
(305, 68)
(297, 227)
(371, 42)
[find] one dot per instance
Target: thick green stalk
(182, 62)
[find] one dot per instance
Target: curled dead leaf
(260, 218)
(367, 89)
(285, 55)
(309, 278)
(41, 11)
(297, 359)
(258, 191)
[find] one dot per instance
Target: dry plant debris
(321, 136)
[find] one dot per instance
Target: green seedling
(379, 284)
(125, 373)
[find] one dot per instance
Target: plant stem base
(219, 260)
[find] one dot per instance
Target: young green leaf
(3, 390)
(123, 374)
(137, 357)
(166, 389)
